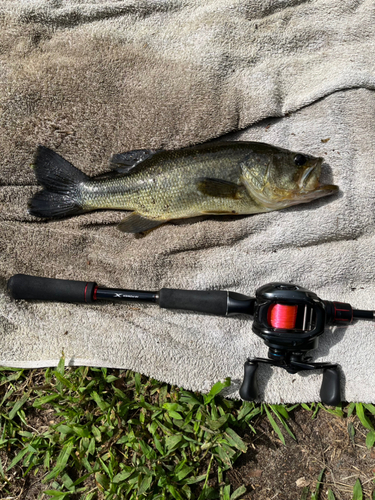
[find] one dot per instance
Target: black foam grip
(249, 387)
(23, 286)
(330, 392)
(209, 302)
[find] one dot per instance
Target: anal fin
(136, 223)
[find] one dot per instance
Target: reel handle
(23, 286)
(330, 391)
(249, 388)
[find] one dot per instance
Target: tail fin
(61, 182)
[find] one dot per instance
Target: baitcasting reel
(287, 317)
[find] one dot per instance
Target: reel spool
(282, 316)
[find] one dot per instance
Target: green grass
(92, 435)
(127, 436)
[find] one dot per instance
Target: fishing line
(281, 316)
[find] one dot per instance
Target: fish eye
(300, 160)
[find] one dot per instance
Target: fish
(157, 186)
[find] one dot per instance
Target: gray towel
(91, 79)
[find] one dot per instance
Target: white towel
(91, 79)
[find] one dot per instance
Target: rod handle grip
(209, 302)
(24, 286)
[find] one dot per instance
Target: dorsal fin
(124, 162)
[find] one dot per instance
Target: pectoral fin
(135, 223)
(219, 188)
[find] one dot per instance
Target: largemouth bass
(159, 186)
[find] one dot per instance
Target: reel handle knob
(330, 392)
(249, 387)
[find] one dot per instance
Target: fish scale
(158, 186)
(166, 193)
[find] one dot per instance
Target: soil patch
(271, 470)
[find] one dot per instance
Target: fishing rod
(288, 318)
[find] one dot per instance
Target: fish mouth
(309, 183)
(332, 188)
(305, 197)
(320, 191)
